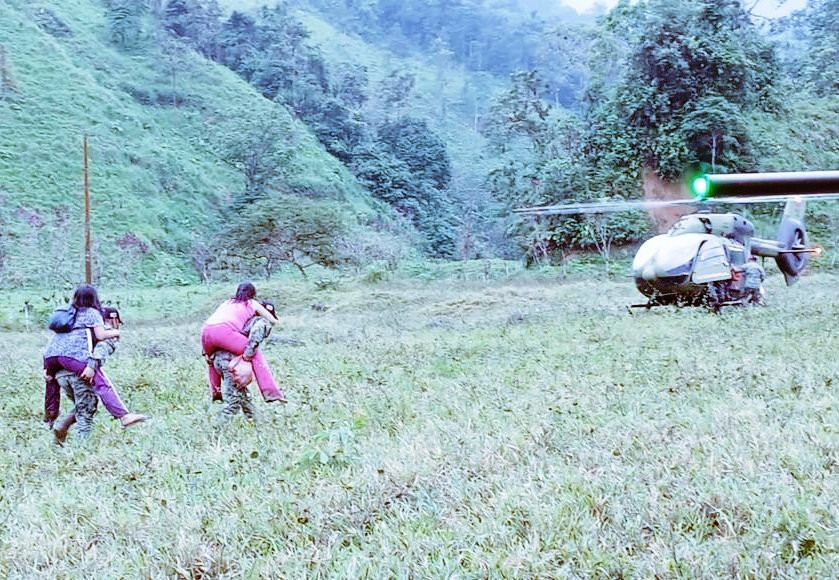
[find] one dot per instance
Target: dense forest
(234, 138)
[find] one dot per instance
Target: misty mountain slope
(159, 119)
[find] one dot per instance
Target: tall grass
(447, 428)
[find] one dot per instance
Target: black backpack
(63, 319)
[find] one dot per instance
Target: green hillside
(158, 181)
(452, 98)
(228, 138)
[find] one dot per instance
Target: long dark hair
(85, 296)
(244, 292)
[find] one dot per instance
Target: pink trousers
(225, 337)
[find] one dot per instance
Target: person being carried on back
(71, 350)
(236, 371)
(224, 330)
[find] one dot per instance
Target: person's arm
(260, 329)
(263, 312)
(102, 333)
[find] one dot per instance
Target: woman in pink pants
(223, 331)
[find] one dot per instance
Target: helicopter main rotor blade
(771, 198)
(598, 207)
(714, 185)
(602, 207)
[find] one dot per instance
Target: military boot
(62, 426)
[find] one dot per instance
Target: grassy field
(457, 428)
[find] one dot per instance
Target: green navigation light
(700, 187)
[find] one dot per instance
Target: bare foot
(132, 419)
(279, 398)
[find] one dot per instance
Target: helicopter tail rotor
(790, 249)
(792, 238)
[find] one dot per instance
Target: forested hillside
(178, 146)
(232, 137)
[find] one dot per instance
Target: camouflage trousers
(85, 400)
(233, 397)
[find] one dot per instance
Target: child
(100, 353)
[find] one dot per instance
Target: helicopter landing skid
(648, 305)
(738, 302)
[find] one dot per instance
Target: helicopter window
(737, 257)
(711, 252)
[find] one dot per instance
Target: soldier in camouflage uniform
(85, 400)
(753, 275)
(234, 397)
(257, 329)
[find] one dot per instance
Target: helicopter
(701, 259)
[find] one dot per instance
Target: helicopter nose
(648, 273)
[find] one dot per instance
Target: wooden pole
(88, 267)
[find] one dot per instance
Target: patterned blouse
(78, 343)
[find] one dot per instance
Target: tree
(604, 230)
(124, 22)
(820, 66)
(260, 146)
(7, 82)
(177, 17)
(287, 230)
(717, 126)
(237, 38)
(562, 61)
(422, 169)
(351, 85)
(518, 116)
(174, 62)
(685, 60)
(411, 141)
(197, 22)
(393, 90)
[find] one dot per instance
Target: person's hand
(87, 374)
(47, 377)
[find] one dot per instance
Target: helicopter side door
(711, 263)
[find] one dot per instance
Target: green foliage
(543, 160)
(693, 71)
(410, 170)
(179, 142)
(125, 22)
(259, 146)
(412, 142)
(167, 152)
(276, 230)
(820, 64)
